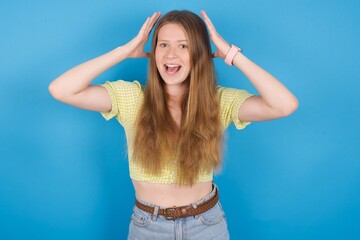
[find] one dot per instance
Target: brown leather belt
(183, 211)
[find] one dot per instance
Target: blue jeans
(208, 225)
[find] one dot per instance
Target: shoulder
(126, 98)
(226, 94)
(230, 101)
(124, 86)
(124, 90)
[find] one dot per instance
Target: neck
(175, 94)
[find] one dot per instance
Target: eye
(183, 46)
(163, 45)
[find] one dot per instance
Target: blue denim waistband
(207, 197)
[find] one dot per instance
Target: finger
(155, 17)
(206, 17)
(208, 22)
(152, 21)
(142, 54)
(144, 26)
(215, 54)
(149, 22)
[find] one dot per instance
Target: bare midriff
(170, 195)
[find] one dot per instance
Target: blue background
(64, 172)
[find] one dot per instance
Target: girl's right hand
(135, 48)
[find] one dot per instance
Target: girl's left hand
(222, 47)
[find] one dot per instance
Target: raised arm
(274, 101)
(73, 87)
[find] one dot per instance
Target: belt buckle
(166, 212)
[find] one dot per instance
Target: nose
(171, 53)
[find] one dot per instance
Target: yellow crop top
(127, 97)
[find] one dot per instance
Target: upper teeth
(172, 65)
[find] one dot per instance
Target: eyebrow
(169, 41)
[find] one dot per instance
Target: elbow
(52, 90)
(290, 107)
(55, 91)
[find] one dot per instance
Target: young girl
(174, 125)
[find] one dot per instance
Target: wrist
(122, 52)
(231, 54)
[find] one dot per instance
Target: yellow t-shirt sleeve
(230, 102)
(124, 97)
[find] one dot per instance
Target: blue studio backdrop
(64, 171)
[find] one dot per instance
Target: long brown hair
(198, 141)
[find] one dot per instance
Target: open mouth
(172, 68)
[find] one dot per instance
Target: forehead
(172, 31)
